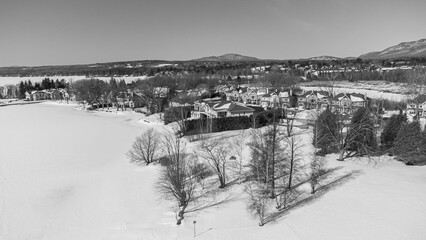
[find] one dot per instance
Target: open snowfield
(371, 93)
(64, 175)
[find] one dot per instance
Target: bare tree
(290, 123)
(238, 150)
(294, 145)
(259, 156)
(217, 154)
(145, 147)
(291, 171)
(317, 163)
(258, 201)
(317, 172)
(178, 179)
(267, 152)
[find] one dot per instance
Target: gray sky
(53, 32)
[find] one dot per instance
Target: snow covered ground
(64, 175)
(375, 94)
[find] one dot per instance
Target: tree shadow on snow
(336, 183)
(205, 202)
(213, 197)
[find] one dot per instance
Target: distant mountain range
(402, 50)
(226, 57)
(324, 58)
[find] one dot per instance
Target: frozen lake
(64, 176)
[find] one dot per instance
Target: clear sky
(53, 32)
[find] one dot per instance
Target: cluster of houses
(51, 94)
(244, 101)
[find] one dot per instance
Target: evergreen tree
(362, 129)
(37, 86)
(391, 129)
(326, 132)
(57, 84)
(30, 86)
(409, 139)
(21, 90)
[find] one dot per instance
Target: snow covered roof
(235, 108)
(419, 99)
(356, 97)
(284, 94)
(222, 105)
(231, 107)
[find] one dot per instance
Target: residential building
(417, 106)
(220, 109)
(314, 100)
(348, 102)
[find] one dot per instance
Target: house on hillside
(417, 106)
(314, 100)
(348, 102)
(28, 96)
(285, 99)
(55, 94)
(265, 100)
(251, 97)
(230, 109)
(41, 95)
(220, 109)
(274, 100)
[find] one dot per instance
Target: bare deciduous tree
(145, 147)
(238, 150)
(268, 155)
(317, 172)
(217, 154)
(294, 145)
(178, 179)
(258, 201)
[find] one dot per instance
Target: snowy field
(375, 94)
(64, 175)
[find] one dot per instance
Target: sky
(59, 32)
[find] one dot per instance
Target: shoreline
(19, 103)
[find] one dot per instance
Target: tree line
(45, 84)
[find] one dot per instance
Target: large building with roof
(221, 109)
